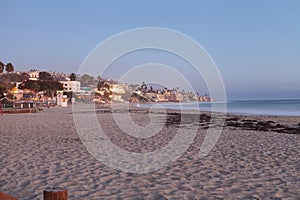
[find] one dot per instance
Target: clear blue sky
(255, 44)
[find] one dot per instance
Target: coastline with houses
(44, 88)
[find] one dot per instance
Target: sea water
(243, 107)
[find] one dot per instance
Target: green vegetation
(9, 67)
(73, 77)
(45, 76)
(87, 80)
(2, 65)
(42, 85)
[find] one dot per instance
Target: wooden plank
(4, 196)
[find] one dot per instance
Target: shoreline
(280, 124)
(228, 110)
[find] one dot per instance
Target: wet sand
(256, 157)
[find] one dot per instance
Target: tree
(48, 86)
(24, 76)
(9, 67)
(73, 77)
(2, 65)
(87, 80)
(45, 76)
(32, 85)
(3, 89)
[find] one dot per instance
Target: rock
(270, 122)
(279, 126)
(233, 119)
(263, 126)
(234, 124)
(248, 125)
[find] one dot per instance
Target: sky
(255, 44)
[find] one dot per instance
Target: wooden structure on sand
(49, 194)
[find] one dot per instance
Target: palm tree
(143, 85)
(9, 67)
(2, 65)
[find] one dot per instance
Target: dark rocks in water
(279, 126)
(234, 124)
(289, 128)
(233, 119)
(261, 129)
(248, 124)
(248, 120)
(263, 126)
(205, 117)
(173, 118)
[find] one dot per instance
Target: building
(61, 99)
(33, 75)
(117, 91)
(152, 96)
(71, 86)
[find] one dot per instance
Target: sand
(43, 149)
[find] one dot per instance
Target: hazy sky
(255, 44)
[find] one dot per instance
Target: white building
(61, 100)
(117, 92)
(34, 75)
(71, 86)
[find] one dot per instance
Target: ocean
(241, 107)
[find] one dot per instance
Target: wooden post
(55, 194)
(1, 108)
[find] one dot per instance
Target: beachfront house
(117, 91)
(71, 86)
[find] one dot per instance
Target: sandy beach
(256, 157)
